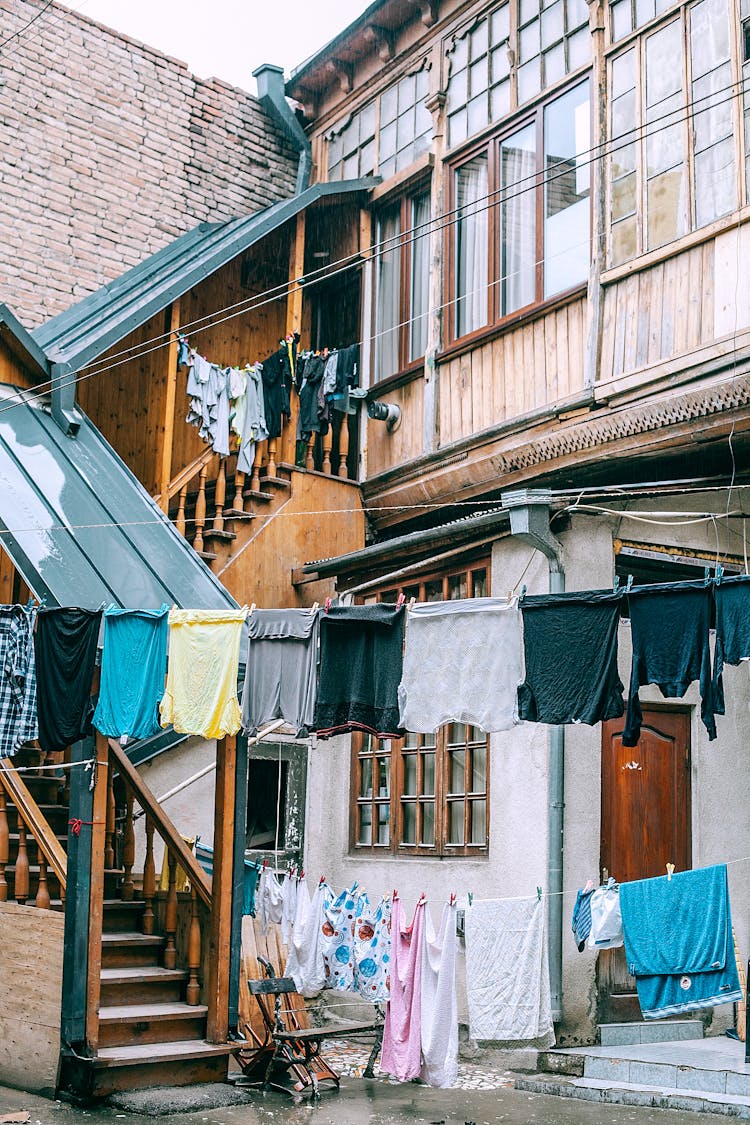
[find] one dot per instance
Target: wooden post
(294, 324)
(238, 882)
(327, 446)
(200, 509)
(238, 504)
(170, 918)
(310, 454)
(343, 445)
(180, 521)
(220, 496)
(271, 466)
(109, 837)
(149, 879)
(4, 845)
(96, 895)
(166, 436)
(192, 994)
(255, 478)
(221, 898)
(21, 879)
(128, 849)
(42, 891)
(76, 943)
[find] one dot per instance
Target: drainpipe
(529, 510)
(63, 399)
(272, 97)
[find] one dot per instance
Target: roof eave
(22, 344)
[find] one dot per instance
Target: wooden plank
(655, 305)
(550, 358)
(707, 291)
(630, 332)
(34, 820)
(576, 337)
(540, 364)
(217, 1023)
(563, 359)
(642, 319)
(96, 892)
(294, 324)
(681, 294)
(75, 963)
(476, 369)
(498, 381)
(608, 333)
(166, 433)
(695, 285)
(238, 879)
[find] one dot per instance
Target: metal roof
(83, 332)
(80, 528)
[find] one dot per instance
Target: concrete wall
(517, 859)
(192, 810)
(32, 945)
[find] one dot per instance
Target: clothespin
(412, 602)
(321, 880)
(630, 583)
(616, 586)
(265, 863)
(394, 896)
(470, 897)
(302, 874)
(452, 899)
(670, 872)
(719, 574)
(539, 894)
(400, 600)
(328, 604)
(314, 608)
(522, 595)
(509, 597)
(252, 608)
(30, 603)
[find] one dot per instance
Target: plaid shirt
(18, 721)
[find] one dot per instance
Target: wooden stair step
(259, 497)
(166, 1022)
(138, 1066)
(234, 514)
(219, 536)
(207, 556)
(142, 984)
(122, 916)
(276, 482)
(132, 1054)
(126, 1013)
(125, 948)
(57, 816)
(132, 937)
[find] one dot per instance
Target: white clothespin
(670, 872)
(314, 609)
(253, 608)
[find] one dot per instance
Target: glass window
(471, 246)
(518, 220)
(401, 310)
(388, 291)
(567, 211)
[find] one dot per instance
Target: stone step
(667, 1075)
(638, 1094)
(654, 1031)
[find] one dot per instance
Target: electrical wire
(21, 30)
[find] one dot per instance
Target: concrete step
(656, 1031)
(667, 1075)
(638, 1094)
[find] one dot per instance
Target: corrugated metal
(80, 334)
(80, 528)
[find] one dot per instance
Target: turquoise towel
(678, 941)
(134, 662)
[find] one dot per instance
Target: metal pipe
(529, 511)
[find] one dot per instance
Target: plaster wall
(192, 810)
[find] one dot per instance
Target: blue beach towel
(678, 941)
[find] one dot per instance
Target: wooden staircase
(146, 1016)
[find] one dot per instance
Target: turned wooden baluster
(22, 866)
(257, 461)
(180, 522)
(149, 879)
(4, 845)
(200, 509)
(109, 835)
(128, 850)
(238, 504)
(170, 917)
(194, 951)
(220, 496)
(310, 454)
(343, 445)
(42, 893)
(271, 466)
(327, 446)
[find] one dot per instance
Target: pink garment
(402, 1035)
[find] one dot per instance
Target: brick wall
(108, 151)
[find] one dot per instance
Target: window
(386, 135)
(426, 794)
(401, 310)
(522, 203)
(551, 39)
(277, 782)
(672, 138)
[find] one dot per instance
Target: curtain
(518, 221)
(388, 294)
(420, 268)
(472, 246)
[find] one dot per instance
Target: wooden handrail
(186, 475)
(164, 826)
(35, 821)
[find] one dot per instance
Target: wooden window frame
(399, 751)
(532, 115)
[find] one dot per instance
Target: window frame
(365, 746)
(532, 114)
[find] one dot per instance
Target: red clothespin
(265, 863)
(302, 874)
(400, 600)
(452, 900)
(321, 881)
(328, 604)
(395, 894)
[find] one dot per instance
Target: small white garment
(606, 919)
(269, 898)
(507, 971)
(306, 963)
(462, 663)
(288, 907)
(439, 1007)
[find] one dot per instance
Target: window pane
(456, 822)
(579, 49)
(388, 106)
(429, 739)
(387, 146)
(456, 783)
(364, 836)
(714, 182)
(420, 268)
(517, 220)
(456, 734)
(384, 777)
(472, 246)
(624, 197)
(407, 92)
(457, 93)
(529, 80)
(428, 782)
(622, 20)
(663, 78)
(479, 77)
(457, 586)
(554, 65)
(433, 591)
(500, 25)
(567, 210)
(410, 822)
(529, 8)
(458, 127)
(477, 112)
(367, 122)
(411, 739)
(552, 24)
(479, 769)
(384, 817)
(666, 207)
(624, 241)
(478, 822)
(479, 583)
(713, 145)
(410, 775)
(365, 789)
(644, 11)
(577, 14)
(388, 293)
(529, 41)
(500, 63)
(428, 824)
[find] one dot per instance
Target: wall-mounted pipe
(271, 95)
(529, 511)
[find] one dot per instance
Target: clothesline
(88, 764)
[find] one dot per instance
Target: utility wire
(21, 30)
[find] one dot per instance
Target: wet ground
(362, 1102)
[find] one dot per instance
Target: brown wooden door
(645, 825)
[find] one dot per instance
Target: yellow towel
(201, 693)
(182, 883)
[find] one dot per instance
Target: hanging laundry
(253, 428)
(18, 681)
(288, 906)
(372, 949)
(280, 676)
(276, 387)
(309, 421)
(269, 899)
(402, 1035)
(306, 963)
(678, 941)
(606, 918)
(220, 433)
(249, 886)
(507, 971)
(201, 691)
(670, 630)
(581, 920)
(65, 644)
(439, 1013)
(301, 907)
(337, 940)
(732, 609)
(183, 351)
(462, 663)
(570, 655)
(134, 663)
(330, 373)
(361, 660)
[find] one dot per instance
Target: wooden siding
(386, 450)
(664, 311)
(12, 370)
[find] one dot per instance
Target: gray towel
(282, 647)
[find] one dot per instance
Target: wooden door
(645, 824)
